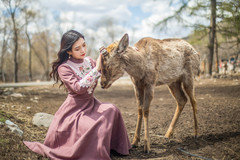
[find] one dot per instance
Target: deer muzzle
(105, 84)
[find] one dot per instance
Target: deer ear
(123, 44)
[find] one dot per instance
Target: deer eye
(104, 71)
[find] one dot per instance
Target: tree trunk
(212, 35)
(4, 48)
(29, 52)
(235, 62)
(15, 47)
(29, 57)
(217, 60)
(47, 64)
(46, 43)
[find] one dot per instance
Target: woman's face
(79, 49)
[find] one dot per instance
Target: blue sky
(137, 14)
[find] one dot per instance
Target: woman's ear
(69, 53)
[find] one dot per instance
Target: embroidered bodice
(84, 69)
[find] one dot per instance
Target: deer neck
(134, 63)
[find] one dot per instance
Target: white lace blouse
(87, 73)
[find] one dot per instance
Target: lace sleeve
(90, 79)
(88, 76)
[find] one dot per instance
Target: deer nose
(102, 85)
(103, 82)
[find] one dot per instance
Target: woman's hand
(99, 62)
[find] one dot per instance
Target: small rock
(34, 100)
(10, 123)
(17, 95)
(8, 91)
(13, 127)
(42, 119)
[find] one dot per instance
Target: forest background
(28, 44)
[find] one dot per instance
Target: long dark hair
(67, 41)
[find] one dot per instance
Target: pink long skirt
(84, 129)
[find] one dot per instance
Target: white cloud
(136, 17)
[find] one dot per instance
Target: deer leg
(136, 138)
(139, 93)
(188, 87)
(181, 99)
(148, 96)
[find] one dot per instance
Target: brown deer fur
(152, 62)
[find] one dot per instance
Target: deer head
(112, 65)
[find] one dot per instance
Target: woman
(83, 127)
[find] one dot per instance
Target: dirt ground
(218, 114)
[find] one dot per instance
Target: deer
(149, 63)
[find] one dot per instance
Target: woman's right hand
(99, 62)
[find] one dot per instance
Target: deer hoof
(147, 147)
(134, 146)
(146, 150)
(135, 142)
(167, 136)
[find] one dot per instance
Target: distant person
(225, 67)
(83, 127)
